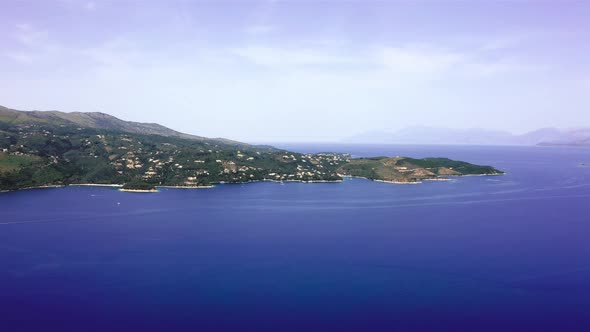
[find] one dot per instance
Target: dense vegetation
(138, 185)
(459, 166)
(55, 148)
(43, 154)
(402, 169)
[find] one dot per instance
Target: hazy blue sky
(301, 70)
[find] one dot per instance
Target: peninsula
(53, 148)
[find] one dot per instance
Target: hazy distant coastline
(475, 136)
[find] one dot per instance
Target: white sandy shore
(95, 185)
(186, 187)
(399, 182)
(139, 190)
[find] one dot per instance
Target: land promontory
(55, 148)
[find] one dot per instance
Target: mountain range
(474, 136)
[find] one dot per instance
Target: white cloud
(403, 62)
(33, 45)
(435, 62)
(421, 60)
(284, 57)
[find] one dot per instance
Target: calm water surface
(503, 253)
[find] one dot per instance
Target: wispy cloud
(419, 60)
(28, 35)
(411, 61)
(429, 60)
(285, 57)
(32, 44)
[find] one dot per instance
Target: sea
(481, 253)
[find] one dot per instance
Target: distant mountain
(432, 135)
(96, 120)
(474, 136)
(570, 137)
(537, 136)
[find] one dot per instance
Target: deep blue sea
(498, 253)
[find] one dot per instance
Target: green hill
(96, 120)
(410, 170)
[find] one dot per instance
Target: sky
(272, 71)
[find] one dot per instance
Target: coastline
(253, 181)
(422, 180)
(187, 187)
(398, 182)
(65, 185)
(94, 185)
(384, 181)
(495, 174)
(310, 181)
(278, 181)
(38, 187)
